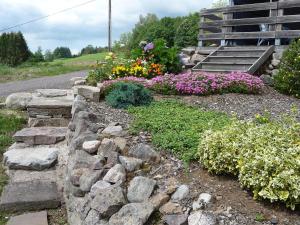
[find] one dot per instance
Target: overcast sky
(87, 24)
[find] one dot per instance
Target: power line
(47, 16)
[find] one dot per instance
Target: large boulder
(89, 92)
(181, 193)
(130, 164)
(144, 152)
(140, 189)
(18, 100)
(108, 201)
(115, 175)
(132, 214)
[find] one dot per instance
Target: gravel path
(59, 82)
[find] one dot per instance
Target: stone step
(41, 135)
(50, 107)
(37, 218)
(31, 195)
(31, 158)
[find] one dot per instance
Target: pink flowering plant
(198, 83)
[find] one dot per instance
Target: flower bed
(198, 83)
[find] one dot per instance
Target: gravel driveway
(59, 82)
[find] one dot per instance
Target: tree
(13, 49)
(49, 57)
(37, 56)
(187, 32)
(62, 52)
(220, 3)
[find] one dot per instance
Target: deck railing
(218, 24)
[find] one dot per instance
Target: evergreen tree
(62, 52)
(48, 56)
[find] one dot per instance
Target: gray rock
(92, 218)
(275, 62)
(18, 100)
(79, 83)
(100, 185)
(88, 179)
(121, 143)
(159, 199)
(203, 201)
(38, 158)
(52, 93)
(117, 174)
(130, 164)
(41, 135)
(267, 79)
(181, 193)
(89, 92)
(144, 152)
(91, 146)
(184, 59)
(132, 214)
(72, 80)
(108, 201)
(275, 72)
(50, 107)
(197, 58)
(33, 195)
(36, 218)
(202, 218)
(107, 146)
(140, 189)
(48, 122)
(76, 174)
(113, 131)
(189, 50)
(176, 219)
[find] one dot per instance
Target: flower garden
(264, 154)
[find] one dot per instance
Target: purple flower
(149, 47)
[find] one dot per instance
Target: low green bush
(288, 79)
(264, 154)
(176, 127)
(123, 95)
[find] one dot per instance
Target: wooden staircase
(227, 59)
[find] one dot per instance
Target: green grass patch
(10, 122)
(175, 126)
(57, 67)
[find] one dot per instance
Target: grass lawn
(175, 126)
(10, 122)
(59, 66)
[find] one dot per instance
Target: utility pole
(109, 26)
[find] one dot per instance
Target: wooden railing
(218, 24)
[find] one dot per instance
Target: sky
(87, 24)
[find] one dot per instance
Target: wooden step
(216, 71)
(232, 59)
(249, 53)
(251, 48)
(225, 66)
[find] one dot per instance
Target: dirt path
(59, 82)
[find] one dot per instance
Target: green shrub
(124, 95)
(265, 156)
(288, 79)
(176, 127)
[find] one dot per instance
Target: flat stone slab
(50, 107)
(25, 175)
(38, 158)
(52, 93)
(41, 135)
(37, 218)
(48, 122)
(33, 195)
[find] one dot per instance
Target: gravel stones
(38, 158)
(132, 214)
(91, 146)
(130, 164)
(181, 193)
(108, 201)
(144, 152)
(41, 135)
(202, 218)
(140, 189)
(117, 174)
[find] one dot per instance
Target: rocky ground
(244, 106)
